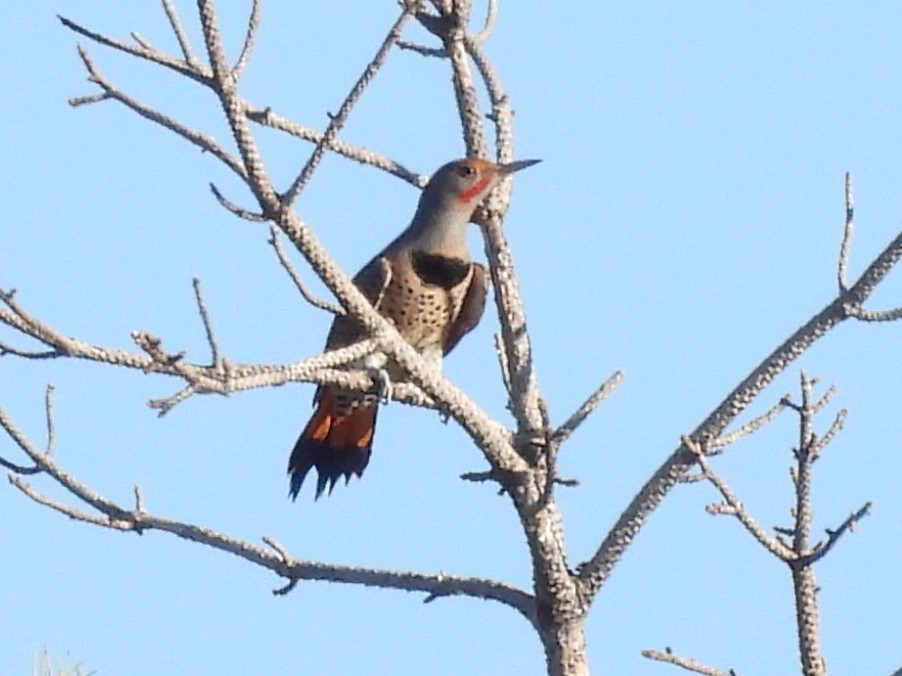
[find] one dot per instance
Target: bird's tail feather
(336, 444)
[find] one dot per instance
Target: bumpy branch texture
(522, 457)
(796, 552)
(847, 304)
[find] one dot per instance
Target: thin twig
(275, 241)
(687, 663)
(828, 437)
(606, 389)
(18, 469)
(110, 91)
(491, 16)
(179, 30)
(50, 420)
(208, 323)
(164, 406)
(234, 209)
(864, 315)
(337, 121)
(279, 548)
(478, 477)
(821, 549)
(190, 68)
(68, 510)
(423, 50)
(735, 505)
(825, 399)
(750, 427)
(6, 348)
(269, 118)
(77, 101)
(139, 500)
(20, 440)
(848, 232)
(141, 41)
(250, 37)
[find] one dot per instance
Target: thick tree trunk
(565, 648)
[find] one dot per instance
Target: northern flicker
(424, 282)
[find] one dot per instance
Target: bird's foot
(383, 383)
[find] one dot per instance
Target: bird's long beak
(507, 169)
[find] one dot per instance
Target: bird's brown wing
(372, 280)
(470, 310)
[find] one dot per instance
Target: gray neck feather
(441, 231)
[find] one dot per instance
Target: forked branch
(137, 519)
(797, 553)
(595, 572)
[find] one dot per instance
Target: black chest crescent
(441, 271)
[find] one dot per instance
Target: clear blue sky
(685, 220)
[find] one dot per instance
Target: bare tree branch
(595, 572)
(250, 37)
(669, 657)
(110, 91)
(804, 583)
(234, 209)
(215, 359)
(736, 508)
(178, 30)
(749, 428)
(522, 461)
(336, 122)
(848, 232)
(222, 377)
(491, 16)
(524, 393)
(464, 86)
(825, 440)
(192, 68)
(595, 399)
(285, 262)
(19, 438)
(503, 365)
(51, 420)
(18, 469)
(113, 516)
(821, 549)
(488, 434)
(875, 315)
(268, 118)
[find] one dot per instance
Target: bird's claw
(383, 384)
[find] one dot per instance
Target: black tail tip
(330, 463)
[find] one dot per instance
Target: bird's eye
(466, 171)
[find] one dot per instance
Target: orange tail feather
(335, 444)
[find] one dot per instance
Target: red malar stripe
(477, 188)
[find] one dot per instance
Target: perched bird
(424, 282)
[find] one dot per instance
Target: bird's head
(462, 184)
(449, 200)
